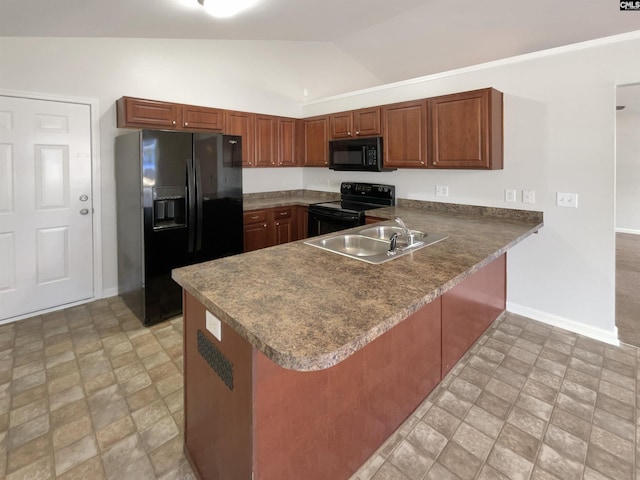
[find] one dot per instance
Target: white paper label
(213, 325)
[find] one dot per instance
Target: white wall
(263, 77)
(559, 113)
(628, 171)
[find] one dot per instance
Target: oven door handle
(334, 214)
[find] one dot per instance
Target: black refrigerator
(179, 202)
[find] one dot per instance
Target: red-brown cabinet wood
(404, 127)
(466, 130)
(469, 308)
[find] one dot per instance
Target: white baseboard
(628, 230)
(109, 292)
(607, 336)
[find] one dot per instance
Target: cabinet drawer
(285, 212)
(255, 216)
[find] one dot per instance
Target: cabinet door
(467, 130)
(302, 222)
(141, 113)
(316, 146)
(256, 236)
(256, 231)
(283, 229)
(405, 134)
(265, 140)
(242, 123)
(284, 224)
(366, 122)
(202, 118)
(287, 142)
(341, 125)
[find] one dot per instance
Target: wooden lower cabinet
(256, 231)
(279, 424)
(274, 226)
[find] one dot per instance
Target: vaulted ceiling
(393, 40)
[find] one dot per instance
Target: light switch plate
(213, 325)
(567, 200)
(510, 195)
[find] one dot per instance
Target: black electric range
(355, 199)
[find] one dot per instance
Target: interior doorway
(628, 214)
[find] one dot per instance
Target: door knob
(84, 211)
(83, 198)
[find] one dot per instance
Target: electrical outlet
(567, 200)
(442, 191)
(510, 196)
(528, 196)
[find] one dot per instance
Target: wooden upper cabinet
(466, 130)
(366, 122)
(315, 141)
(287, 142)
(266, 140)
(242, 123)
(357, 123)
(404, 127)
(141, 113)
(202, 118)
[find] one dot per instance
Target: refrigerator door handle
(191, 201)
(199, 206)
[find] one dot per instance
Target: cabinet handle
(255, 217)
(282, 214)
(357, 132)
(349, 133)
(186, 124)
(434, 163)
(277, 224)
(265, 225)
(173, 123)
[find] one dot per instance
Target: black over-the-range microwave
(357, 155)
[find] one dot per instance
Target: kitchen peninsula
(318, 358)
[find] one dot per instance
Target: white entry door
(46, 231)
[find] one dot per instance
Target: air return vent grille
(216, 360)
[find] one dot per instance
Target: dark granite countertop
(308, 309)
(256, 201)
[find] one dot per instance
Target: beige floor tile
(519, 442)
(147, 416)
(410, 461)
(75, 454)
(114, 432)
(167, 456)
(41, 469)
(71, 432)
(89, 470)
(28, 453)
(159, 433)
(121, 454)
(143, 398)
(28, 431)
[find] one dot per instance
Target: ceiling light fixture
(226, 8)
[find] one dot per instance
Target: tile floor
(88, 393)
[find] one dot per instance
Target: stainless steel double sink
(372, 243)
